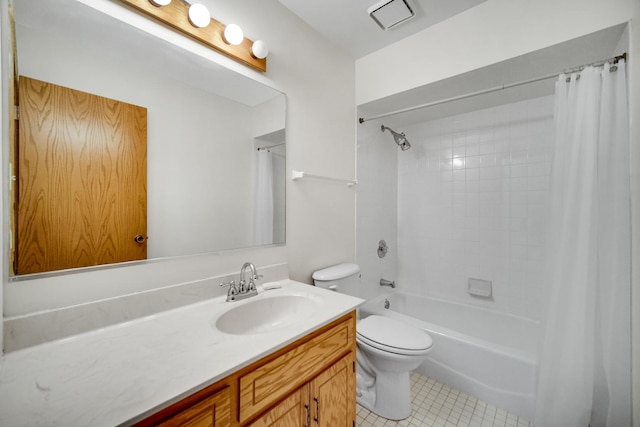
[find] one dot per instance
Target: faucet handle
(231, 283)
(252, 283)
(232, 292)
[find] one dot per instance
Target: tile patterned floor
(438, 405)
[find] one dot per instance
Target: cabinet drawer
(212, 411)
(272, 381)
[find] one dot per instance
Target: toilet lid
(392, 334)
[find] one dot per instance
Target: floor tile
(438, 405)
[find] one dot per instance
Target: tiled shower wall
(471, 200)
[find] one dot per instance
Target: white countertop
(123, 373)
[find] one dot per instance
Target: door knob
(139, 238)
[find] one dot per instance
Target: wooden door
(81, 179)
(213, 411)
(14, 105)
(333, 395)
(292, 411)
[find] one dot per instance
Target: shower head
(399, 138)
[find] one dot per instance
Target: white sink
(265, 314)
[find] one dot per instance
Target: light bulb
(159, 2)
(233, 34)
(259, 49)
(199, 15)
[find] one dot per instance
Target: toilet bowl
(387, 351)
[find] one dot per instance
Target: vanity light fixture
(194, 21)
(233, 34)
(259, 49)
(199, 15)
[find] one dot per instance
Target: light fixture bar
(176, 16)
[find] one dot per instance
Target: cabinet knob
(139, 238)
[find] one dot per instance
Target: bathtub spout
(384, 282)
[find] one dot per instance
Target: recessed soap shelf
(480, 288)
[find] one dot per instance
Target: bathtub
(485, 354)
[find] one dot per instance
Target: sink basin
(265, 315)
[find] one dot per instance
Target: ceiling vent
(389, 13)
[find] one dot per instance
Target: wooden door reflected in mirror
(82, 175)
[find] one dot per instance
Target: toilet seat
(393, 336)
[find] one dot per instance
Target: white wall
(634, 81)
(318, 80)
(269, 130)
(377, 207)
(199, 183)
(491, 32)
(279, 194)
(267, 117)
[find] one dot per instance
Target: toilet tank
(343, 278)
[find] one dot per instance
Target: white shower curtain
(263, 193)
(584, 362)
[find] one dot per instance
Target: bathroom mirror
(206, 125)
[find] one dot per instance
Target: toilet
(387, 350)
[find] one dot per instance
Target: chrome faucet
(242, 286)
(243, 289)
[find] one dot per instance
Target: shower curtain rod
(613, 60)
(266, 147)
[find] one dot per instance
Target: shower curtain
(263, 194)
(584, 374)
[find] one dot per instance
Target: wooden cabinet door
(292, 411)
(333, 395)
(212, 411)
(265, 385)
(82, 179)
(327, 401)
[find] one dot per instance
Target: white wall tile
(468, 200)
(483, 214)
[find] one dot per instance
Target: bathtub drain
(387, 304)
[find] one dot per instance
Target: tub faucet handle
(384, 282)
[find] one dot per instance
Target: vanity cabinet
(212, 411)
(333, 394)
(326, 401)
(294, 410)
(310, 382)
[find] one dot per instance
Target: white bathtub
(485, 354)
